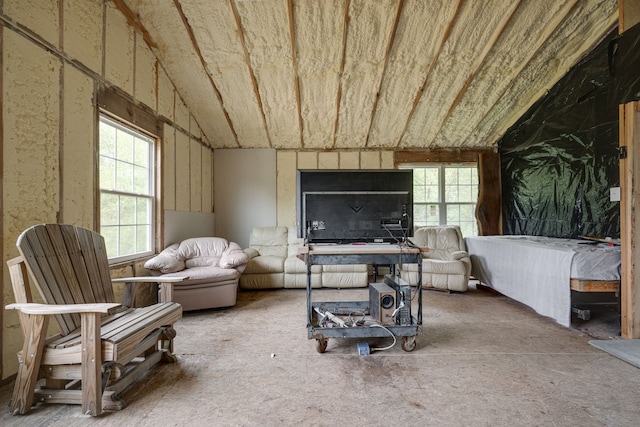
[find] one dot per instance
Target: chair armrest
(458, 255)
(166, 287)
(251, 252)
(46, 309)
(150, 279)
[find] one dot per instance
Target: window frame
(154, 176)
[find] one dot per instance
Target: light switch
(614, 194)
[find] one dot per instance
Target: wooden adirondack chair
(103, 347)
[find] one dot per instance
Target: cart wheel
(321, 345)
(409, 343)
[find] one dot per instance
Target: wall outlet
(614, 194)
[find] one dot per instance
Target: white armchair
(446, 265)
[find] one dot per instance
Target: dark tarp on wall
(624, 64)
(559, 161)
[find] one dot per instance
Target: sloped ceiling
(366, 74)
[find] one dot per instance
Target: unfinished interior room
(320, 212)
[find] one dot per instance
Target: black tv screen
(341, 206)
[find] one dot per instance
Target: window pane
(127, 244)
(433, 215)
(109, 210)
(141, 153)
(142, 238)
(124, 177)
(419, 176)
(433, 193)
(467, 211)
(124, 147)
(140, 180)
(451, 176)
(451, 193)
(127, 210)
(468, 229)
(419, 213)
(110, 235)
(453, 214)
(143, 211)
(107, 173)
(107, 140)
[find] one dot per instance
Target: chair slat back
(69, 265)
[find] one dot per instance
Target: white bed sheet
(536, 270)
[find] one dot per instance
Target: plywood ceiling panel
(366, 74)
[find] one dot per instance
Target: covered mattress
(536, 270)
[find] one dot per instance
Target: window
(446, 195)
(126, 191)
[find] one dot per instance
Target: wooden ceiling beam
(345, 33)
(296, 77)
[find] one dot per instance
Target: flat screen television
(343, 206)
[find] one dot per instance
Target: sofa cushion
(271, 241)
(293, 242)
(265, 264)
(167, 261)
(202, 251)
(202, 261)
(202, 246)
(438, 266)
(294, 265)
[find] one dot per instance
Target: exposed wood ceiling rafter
(296, 80)
(345, 34)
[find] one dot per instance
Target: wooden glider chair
(103, 347)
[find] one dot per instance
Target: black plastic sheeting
(559, 161)
(624, 65)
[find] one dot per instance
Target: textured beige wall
(119, 45)
(49, 89)
(31, 190)
(78, 195)
(83, 32)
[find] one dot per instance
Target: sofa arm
(458, 255)
(167, 261)
(251, 252)
(233, 257)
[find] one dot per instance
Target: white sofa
(446, 265)
(274, 264)
(213, 266)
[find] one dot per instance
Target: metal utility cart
(372, 254)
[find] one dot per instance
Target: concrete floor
(482, 360)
